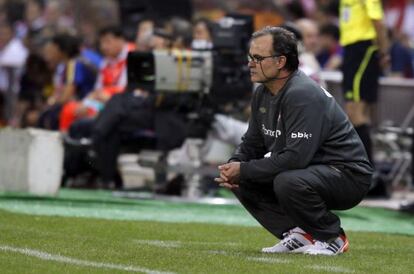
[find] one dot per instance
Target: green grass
(181, 248)
(113, 235)
(103, 205)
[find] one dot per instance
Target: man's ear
(281, 62)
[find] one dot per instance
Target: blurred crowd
(53, 73)
(54, 70)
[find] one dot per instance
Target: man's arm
(376, 13)
(252, 145)
(383, 43)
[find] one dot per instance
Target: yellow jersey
(355, 20)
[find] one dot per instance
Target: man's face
(111, 45)
(267, 67)
(200, 32)
(144, 35)
(32, 11)
(52, 54)
(310, 34)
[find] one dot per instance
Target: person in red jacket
(112, 77)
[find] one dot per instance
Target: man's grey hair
(284, 43)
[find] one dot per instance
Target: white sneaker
(335, 247)
(294, 241)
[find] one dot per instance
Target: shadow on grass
(361, 213)
(74, 201)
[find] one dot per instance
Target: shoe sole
(343, 249)
(302, 249)
(297, 250)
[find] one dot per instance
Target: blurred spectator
(57, 17)
(399, 16)
(181, 31)
(133, 113)
(395, 13)
(92, 57)
(113, 75)
(34, 20)
(401, 64)
(34, 15)
(327, 12)
(307, 61)
(73, 77)
(13, 56)
(330, 55)
(173, 34)
(202, 34)
(161, 39)
(310, 41)
(36, 84)
(88, 34)
(310, 34)
(144, 33)
(112, 78)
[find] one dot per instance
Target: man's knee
(287, 182)
(357, 112)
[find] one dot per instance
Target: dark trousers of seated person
(304, 198)
(49, 119)
(123, 114)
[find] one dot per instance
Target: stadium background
(98, 231)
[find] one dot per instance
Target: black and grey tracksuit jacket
(300, 126)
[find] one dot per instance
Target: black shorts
(361, 72)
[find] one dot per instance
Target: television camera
(218, 75)
(215, 80)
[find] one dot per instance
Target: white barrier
(134, 175)
(31, 160)
(395, 97)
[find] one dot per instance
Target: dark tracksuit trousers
(124, 114)
(304, 198)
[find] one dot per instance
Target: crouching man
(300, 157)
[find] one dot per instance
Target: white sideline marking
(178, 244)
(57, 258)
(215, 243)
(331, 268)
(159, 243)
(269, 260)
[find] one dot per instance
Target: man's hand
(51, 100)
(99, 95)
(385, 61)
(81, 111)
(229, 175)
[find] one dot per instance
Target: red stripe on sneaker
(345, 247)
(308, 237)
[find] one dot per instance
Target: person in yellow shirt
(363, 36)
